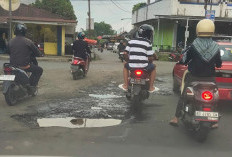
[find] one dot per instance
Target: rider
(21, 51)
(201, 57)
(80, 47)
(121, 47)
(141, 55)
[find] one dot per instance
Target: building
(175, 20)
(44, 27)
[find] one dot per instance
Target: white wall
(174, 8)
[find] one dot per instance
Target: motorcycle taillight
(7, 70)
(75, 62)
(138, 73)
(207, 95)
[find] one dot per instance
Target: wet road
(86, 108)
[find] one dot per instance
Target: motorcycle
(79, 67)
(199, 111)
(138, 86)
(175, 56)
(16, 84)
(121, 56)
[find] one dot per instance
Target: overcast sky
(106, 10)
(110, 11)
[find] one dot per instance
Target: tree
(138, 6)
(103, 28)
(63, 8)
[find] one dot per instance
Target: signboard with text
(210, 14)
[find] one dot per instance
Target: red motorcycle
(79, 67)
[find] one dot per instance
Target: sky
(106, 10)
(109, 11)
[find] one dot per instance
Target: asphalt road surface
(92, 118)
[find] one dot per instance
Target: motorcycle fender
(136, 89)
(5, 86)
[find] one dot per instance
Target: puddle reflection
(71, 122)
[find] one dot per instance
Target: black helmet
(20, 29)
(81, 36)
(146, 31)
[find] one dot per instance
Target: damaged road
(92, 117)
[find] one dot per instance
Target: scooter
(79, 67)
(16, 84)
(138, 86)
(199, 111)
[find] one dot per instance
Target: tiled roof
(30, 13)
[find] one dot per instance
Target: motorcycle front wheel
(10, 96)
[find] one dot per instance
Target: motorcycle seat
(203, 85)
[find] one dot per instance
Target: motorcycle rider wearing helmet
(21, 51)
(201, 57)
(139, 54)
(121, 47)
(80, 47)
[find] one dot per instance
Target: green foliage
(137, 6)
(100, 29)
(103, 28)
(60, 7)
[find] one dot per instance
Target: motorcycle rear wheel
(10, 96)
(202, 131)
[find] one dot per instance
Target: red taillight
(7, 70)
(75, 61)
(206, 109)
(207, 95)
(138, 72)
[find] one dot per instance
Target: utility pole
(89, 14)
(148, 1)
(10, 19)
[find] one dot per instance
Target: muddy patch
(98, 102)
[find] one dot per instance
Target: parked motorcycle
(175, 56)
(16, 84)
(79, 67)
(199, 111)
(138, 86)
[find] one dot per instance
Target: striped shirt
(139, 50)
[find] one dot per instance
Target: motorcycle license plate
(137, 81)
(121, 53)
(206, 114)
(7, 77)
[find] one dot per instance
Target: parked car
(223, 74)
(110, 46)
(115, 48)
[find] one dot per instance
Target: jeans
(36, 74)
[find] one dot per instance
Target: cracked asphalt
(140, 133)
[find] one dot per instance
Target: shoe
(155, 90)
(121, 87)
(174, 122)
(215, 126)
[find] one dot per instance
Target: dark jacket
(121, 47)
(202, 57)
(21, 50)
(80, 49)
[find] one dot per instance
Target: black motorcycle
(199, 111)
(16, 84)
(138, 86)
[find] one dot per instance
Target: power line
(120, 7)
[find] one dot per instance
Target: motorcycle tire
(75, 77)
(202, 131)
(10, 96)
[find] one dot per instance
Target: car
(110, 46)
(223, 74)
(115, 48)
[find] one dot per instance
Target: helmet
(20, 29)
(205, 28)
(146, 31)
(121, 41)
(81, 36)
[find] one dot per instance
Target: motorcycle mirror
(222, 52)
